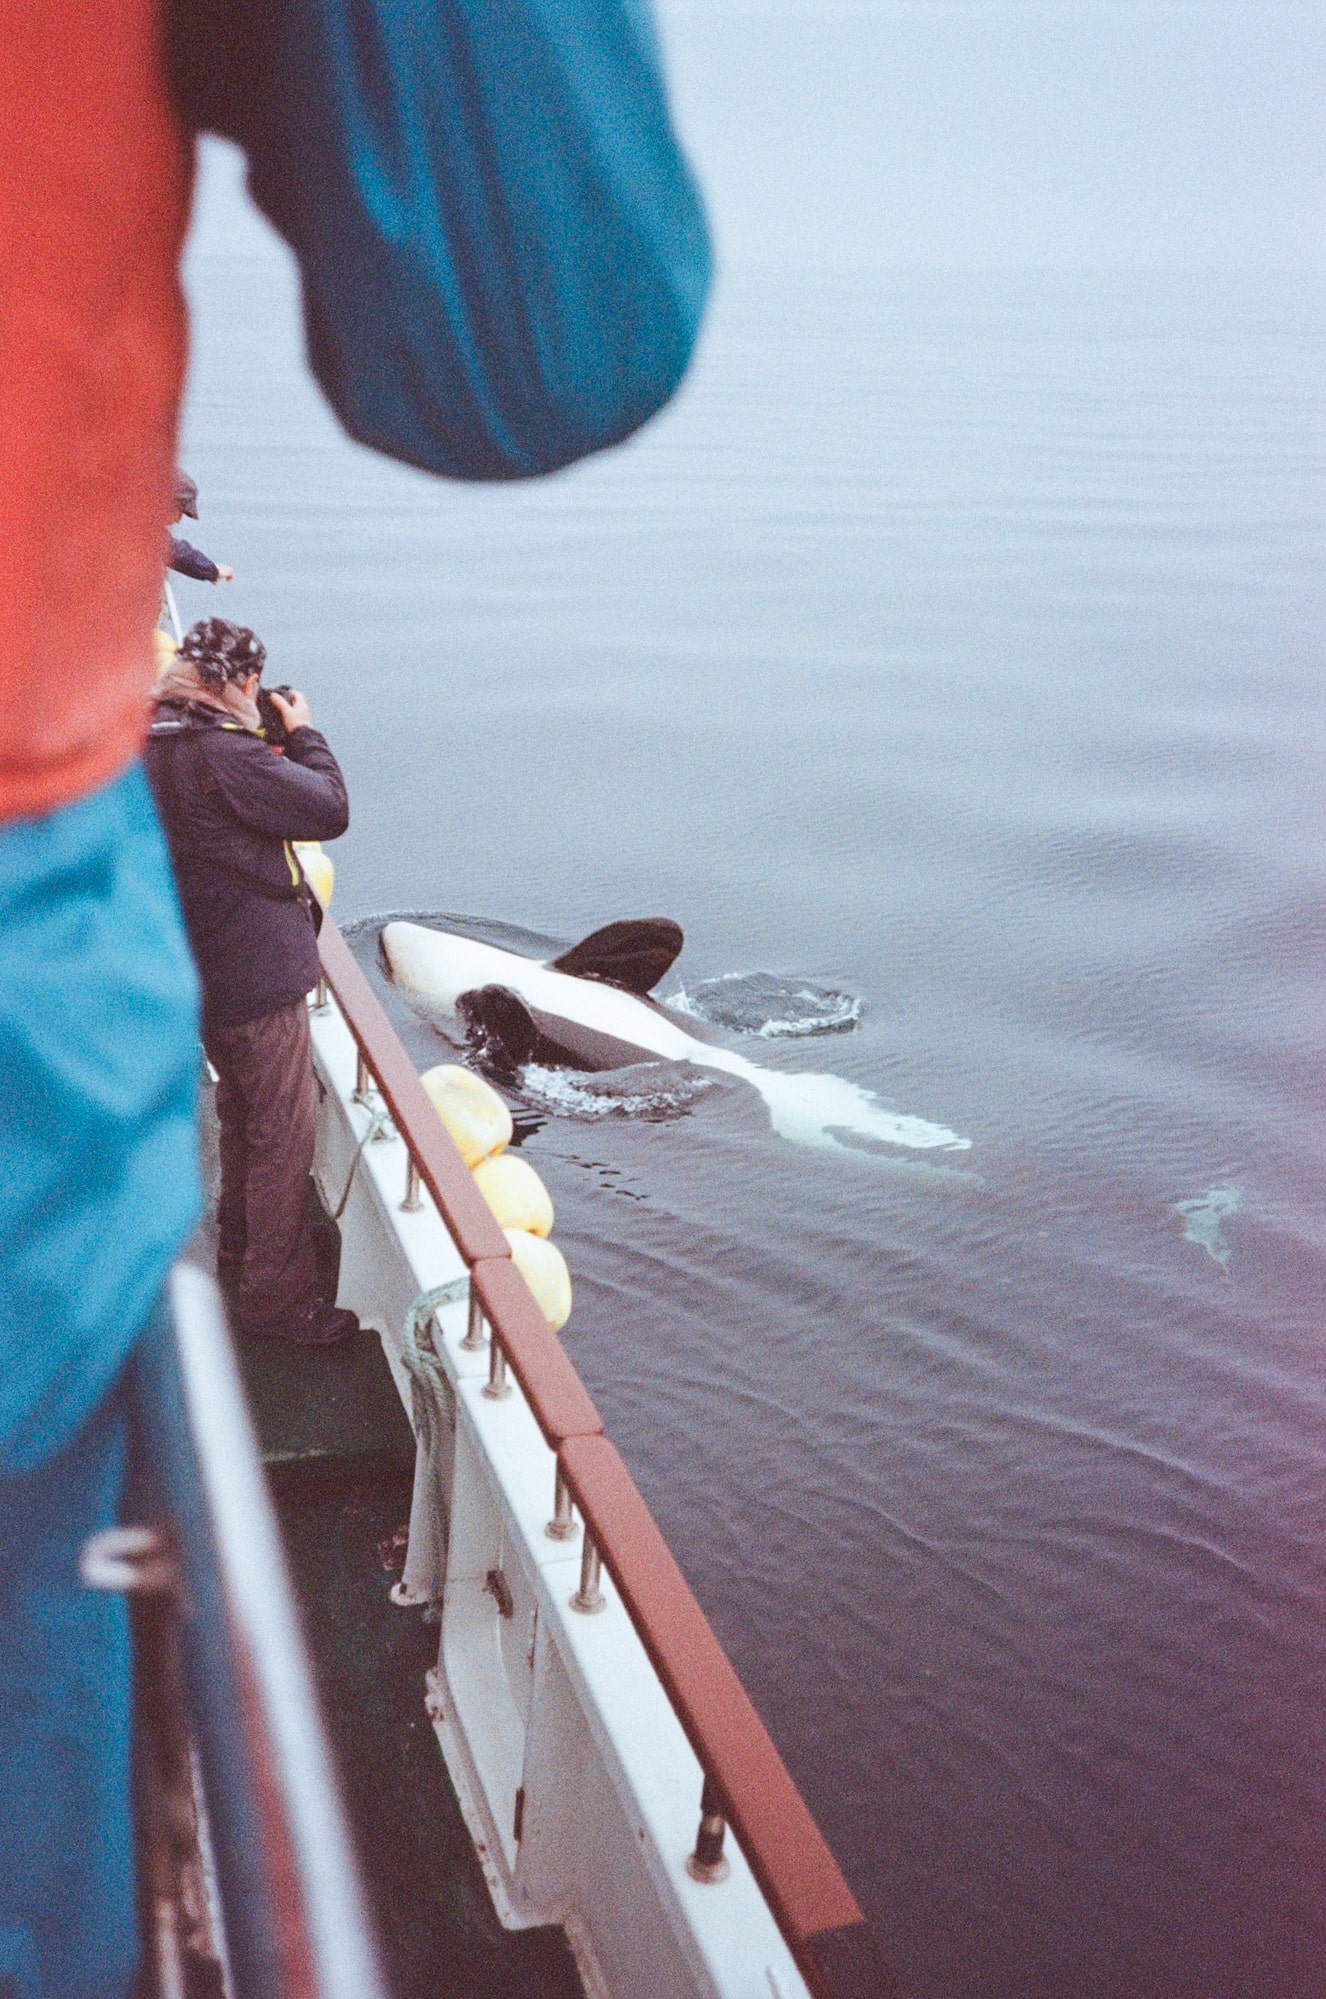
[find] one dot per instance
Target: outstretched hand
(224, 573)
(293, 709)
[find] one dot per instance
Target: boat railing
(245, 1855)
(745, 1782)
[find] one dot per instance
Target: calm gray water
(955, 644)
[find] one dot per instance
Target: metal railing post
(589, 1598)
(413, 1198)
(562, 1526)
(183, 1939)
(363, 1080)
(473, 1340)
(497, 1387)
(708, 1863)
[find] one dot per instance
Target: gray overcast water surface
(954, 642)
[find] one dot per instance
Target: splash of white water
(1202, 1217)
(571, 1093)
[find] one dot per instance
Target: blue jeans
(67, 1919)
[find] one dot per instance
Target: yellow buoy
(319, 870)
(470, 1109)
(165, 649)
(543, 1268)
(515, 1193)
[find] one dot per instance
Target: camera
(274, 729)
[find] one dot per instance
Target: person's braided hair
(220, 652)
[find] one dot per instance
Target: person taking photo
(231, 806)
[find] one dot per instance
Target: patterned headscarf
(220, 652)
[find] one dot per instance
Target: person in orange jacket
(98, 998)
(98, 1011)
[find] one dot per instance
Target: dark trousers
(265, 1106)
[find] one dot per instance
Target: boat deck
(339, 1456)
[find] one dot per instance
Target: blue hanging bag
(503, 251)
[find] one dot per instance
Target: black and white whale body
(591, 1009)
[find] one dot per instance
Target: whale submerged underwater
(591, 1009)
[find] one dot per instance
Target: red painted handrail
(782, 1841)
(788, 1854)
(787, 1851)
(441, 1168)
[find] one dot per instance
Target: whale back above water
(581, 1018)
(515, 1010)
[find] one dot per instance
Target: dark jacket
(190, 561)
(230, 807)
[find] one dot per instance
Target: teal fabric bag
(503, 252)
(99, 1067)
(98, 1190)
(68, 1925)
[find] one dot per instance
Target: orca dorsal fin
(633, 954)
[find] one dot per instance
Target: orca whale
(592, 1008)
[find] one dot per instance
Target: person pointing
(181, 555)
